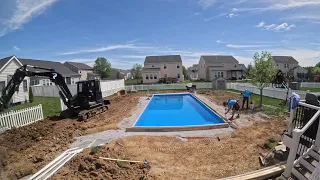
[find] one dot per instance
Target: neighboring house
(126, 74)
(115, 74)
(84, 70)
(8, 67)
(156, 67)
(286, 63)
(193, 72)
(220, 66)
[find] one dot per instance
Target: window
(80, 87)
(178, 75)
(2, 85)
(80, 72)
(215, 74)
(178, 66)
(68, 80)
(25, 85)
(151, 76)
(72, 80)
(286, 65)
(235, 65)
(165, 66)
(152, 65)
(147, 76)
(155, 76)
(221, 74)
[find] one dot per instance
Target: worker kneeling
(232, 104)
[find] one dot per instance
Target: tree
(185, 72)
(136, 71)
(118, 75)
(30, 95)
(249, 68)
(262, 72)
(102, 67)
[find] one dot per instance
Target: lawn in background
(311, 89)
(50, 105)
(270, 105)
(132, 82)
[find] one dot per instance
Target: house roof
(150, 69)
(57, 66)
(93, 74)
(219, 59)
(4, 61)
(80, 66)
(160, 59)
(284, 59)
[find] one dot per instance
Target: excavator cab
(89, 93)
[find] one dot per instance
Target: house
(288, 64)
(115, 74)
(218, 65)
(126, 74)
(156, 67)
(8, 67)
(69, 76)
(83, 69)
(193, 72)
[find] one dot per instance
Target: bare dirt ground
(25, 150)
(171, 158)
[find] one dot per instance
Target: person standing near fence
(246, 97)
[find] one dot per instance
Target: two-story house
(156, 67)
(193, 72)
(287, 64)
(220, 66)
(84, 70)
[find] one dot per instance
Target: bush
(30, 95)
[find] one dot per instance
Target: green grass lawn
(270, 105)
(50, 105)
(132, 82)
(311, 89)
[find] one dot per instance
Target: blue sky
(125, 31)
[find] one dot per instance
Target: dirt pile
(87, 165)
(27, 149)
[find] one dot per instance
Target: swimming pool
(177, 111)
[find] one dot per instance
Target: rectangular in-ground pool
(177, 111)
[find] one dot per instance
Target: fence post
(41, 111)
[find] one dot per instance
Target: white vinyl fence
(107, 87)
(268, 91)
(310, 85)
(20, 117)
(144, 87)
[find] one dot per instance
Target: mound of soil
(27, 149)
(87, 165)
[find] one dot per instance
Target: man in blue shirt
(234, 105)
(246, 97)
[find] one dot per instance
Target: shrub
(30, 95)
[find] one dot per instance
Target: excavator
(87, 103)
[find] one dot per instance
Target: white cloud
(281, 5)
(24, 11)
(133, 57)
(220, 42)
(16, 48)
(213, 17)
(275, 27)
(107, 48)
(206, 3)
(231, 15)
(238, 46)
(196, 14)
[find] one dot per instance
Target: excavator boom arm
(22, 72)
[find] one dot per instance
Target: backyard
(27, 149)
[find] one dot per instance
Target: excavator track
(85, 115)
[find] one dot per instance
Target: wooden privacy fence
(21, 117)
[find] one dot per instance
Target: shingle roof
(57, 66)
(284, 59)
(160, 59)
(219, 59)
(80, 66)
(4, 61)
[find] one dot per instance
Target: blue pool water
(176, 110)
